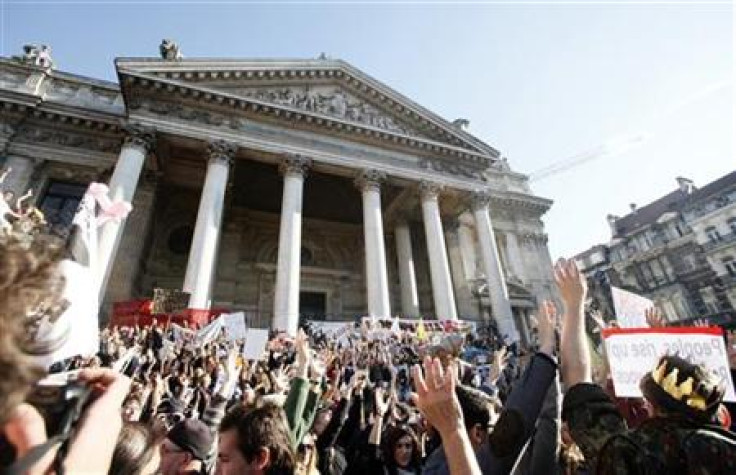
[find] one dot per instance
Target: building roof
(649, 214)
(675, 201)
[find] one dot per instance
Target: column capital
(429, 190)
(480, 199)
(370, 179)
(295, 164)
(221, 150)
(139, 136)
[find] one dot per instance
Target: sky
(643, 90)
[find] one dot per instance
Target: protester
(176, 400)
(682, 436)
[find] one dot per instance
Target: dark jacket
(661, 445)
(515, 425)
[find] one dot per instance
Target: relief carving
(65, 139)
(328, 102)
(453, 168)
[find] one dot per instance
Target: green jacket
(300, 407)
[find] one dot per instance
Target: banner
(634, 352)
(330, 329)
(630, 308)
(77, 325)
(234, 325)
(255, 343)
(208, 333)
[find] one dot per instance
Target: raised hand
(571, 282)
(382, 403)
(654, 317)
(280, 380)
(597, 317)
(500, 360)
(435, 395)
(574, 352)
(547, 322)
(303, 354)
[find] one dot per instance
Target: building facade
(679, 251)
(279, 188)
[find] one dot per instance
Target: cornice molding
(265, 71)
(224, 99)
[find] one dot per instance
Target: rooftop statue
(36, 55)
(169, 50)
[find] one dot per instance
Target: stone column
(498, 292)
(203, 253)
(288, 270)
(461, 286)
(123, 282)
(122, 186)
(467, 251)
(439, 268)
(369, 182)
(407, 273)
(514, 254)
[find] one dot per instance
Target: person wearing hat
(682, 437)
(185, 448)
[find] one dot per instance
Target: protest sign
(634, 352)
(630, 308)
(234, 325)
(255, 343)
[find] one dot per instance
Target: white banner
(630, 308)
(255, 343)
(234, 325)
(634, 352)
(208, 333)
(77, 326)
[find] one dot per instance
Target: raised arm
(436, 399)
(576, 366)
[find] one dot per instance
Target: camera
(60, 399)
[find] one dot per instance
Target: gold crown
(683, 391)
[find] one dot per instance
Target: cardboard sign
(634, 352)
(630, 308)
(234, 325)
(255, 343)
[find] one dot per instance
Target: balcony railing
(722, 241)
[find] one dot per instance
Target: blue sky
(540, 82)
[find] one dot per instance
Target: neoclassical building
(280, 188)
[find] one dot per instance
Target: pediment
(330, 100)
(328, 88)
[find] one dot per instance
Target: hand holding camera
(86, 413)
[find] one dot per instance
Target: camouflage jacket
(661, 445)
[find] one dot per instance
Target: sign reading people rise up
(633, 352)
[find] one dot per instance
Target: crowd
(152, 401)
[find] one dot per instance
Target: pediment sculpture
(332, 102)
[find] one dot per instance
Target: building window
(709, 299)
(732, 225)
(689, 262)
(730, 264)
(713, 234)
(60, 203)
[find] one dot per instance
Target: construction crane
(624, 143)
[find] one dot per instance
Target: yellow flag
(421, 332)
